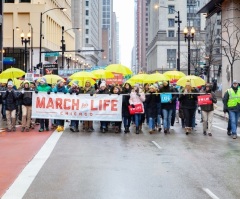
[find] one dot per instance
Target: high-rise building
(141, 34)
(117, 44)
(91, 31)
(162, 53)
(24, 17)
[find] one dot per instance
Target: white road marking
(211, 194)
(156, 145)
(28, 174)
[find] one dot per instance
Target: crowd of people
(161, 105)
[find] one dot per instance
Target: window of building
(25, 1)
(171, 58)
(9, 1)
(87, 31)
(217, 50)
(87, 22)
(87, 40)
(87, 12)
(171, 33)
(87, 3)
(218, 31)
(171, 22)
(218, 22)
(171, 9)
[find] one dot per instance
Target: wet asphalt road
(129, 166)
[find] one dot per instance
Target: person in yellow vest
(231, 101)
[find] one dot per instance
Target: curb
(225, 118)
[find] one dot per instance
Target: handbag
(138, 108)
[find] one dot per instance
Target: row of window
(20, 1)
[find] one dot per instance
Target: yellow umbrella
(139, 78)
(51, 79)
(118, 68)
(174, 74)
(103, 74)
(83, 76)
(82, 83)
(130, 82)
(194, 81)
(155, 77)
(16, 82)
(12, 73)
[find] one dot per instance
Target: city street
(96, 165)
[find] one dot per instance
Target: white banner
(101, 107)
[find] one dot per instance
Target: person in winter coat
(231, 101)
(60, 88)
(151, 101)
(117, 124)
(125, 103)
(137, 96)
(10, 97)
(43, 87)
(188, 103)
(74, 124)
(103, 90)
(207, 111)
(88, 89)
(26, 96)
(167, 106)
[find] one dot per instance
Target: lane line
(156, 145)
(20, 186)
(211, 194)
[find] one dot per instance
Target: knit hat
(43, 80)
(235, 82)
(10, 83)
(103, 84)
(75, 83)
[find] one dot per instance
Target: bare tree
(230, 42)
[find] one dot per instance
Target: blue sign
(9, 60)
(165, 97)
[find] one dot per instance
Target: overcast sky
(125, 16)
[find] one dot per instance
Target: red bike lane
(17, 149)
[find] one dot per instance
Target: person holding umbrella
(188, 101)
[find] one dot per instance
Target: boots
(126, 130)
(13, 124)
(137, 130)
(188, 130)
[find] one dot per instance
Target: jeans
(137, 118)
(74, 123)
(229, 123)
(173, 115)
(44, 121)
(60, 122)
(234, 115)
(126, 121)
(3, 108)
(151, 123)
(103, 124)
(167, 115)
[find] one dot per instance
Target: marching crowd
(158, 104)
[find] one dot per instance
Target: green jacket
(44, 88)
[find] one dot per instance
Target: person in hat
(60, 88)
(231, 101)
(103, 90)
(43, 87)
(10, 97)
(137, 96)
(88, 89)
(188, 103)
(26, 96)
(207, 110)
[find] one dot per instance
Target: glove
(210, 98)
(55, 92)
(91, 94)
(48, 92)
(22, 91)
(77, 93)
(70, 93)
(132, 105)
(224, 110)
(65, 92)
(36, 92)
(118, 93)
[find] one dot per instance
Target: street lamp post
(178, 21)
(41, 35)
(189, 36)
(31, 46)
(68, 58)
(25, 41)
(63, 47)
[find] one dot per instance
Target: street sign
(53, 54)
(29, 77)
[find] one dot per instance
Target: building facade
(162, 53)
(141, 34)
(22, 17)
